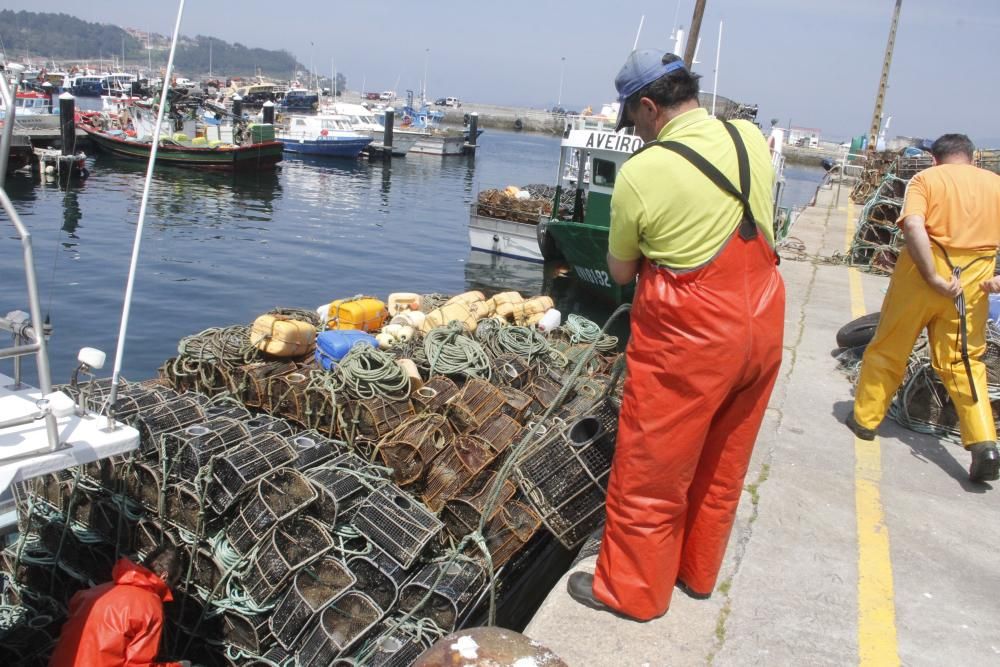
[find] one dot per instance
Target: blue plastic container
(331, 346)
(995, 308)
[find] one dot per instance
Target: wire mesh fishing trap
(455, 468)
(341, 485)
(459, 585)
(291, 545)
(397, 523)
(411, 447)
(564, 477)
(233, 471)
(278, 495)
(435, 393)
(190, 448)
(379, 577)
(340, 626)
(174, 414)
(313, 588)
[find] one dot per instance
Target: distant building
(807, 137)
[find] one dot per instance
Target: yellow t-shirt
(665, 209)
(960, 204)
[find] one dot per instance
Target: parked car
(387, 95)
(372, 96)
(441, 102)
(452, 102)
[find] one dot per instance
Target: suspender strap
(742, 159)
(963, 329)
(748, 226)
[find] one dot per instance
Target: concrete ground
(845, 551)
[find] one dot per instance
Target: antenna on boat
(638, 32)
(119, 351)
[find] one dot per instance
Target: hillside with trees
(61, 37)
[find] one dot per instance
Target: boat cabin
(326, 126)
(590, 156)
(257, 94)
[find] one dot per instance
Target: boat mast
(692, 40)
(130, 283)
(884, 81)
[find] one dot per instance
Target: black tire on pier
(518, 124)
(547, 243)
(858, 332)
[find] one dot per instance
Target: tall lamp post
(562, 72)
(423, 93)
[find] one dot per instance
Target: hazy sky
(814, 62)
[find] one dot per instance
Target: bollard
(390, 114)
(67, 123)
(237, 106)
(268, 112)
(473, 129)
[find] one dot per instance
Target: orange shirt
(960, 204)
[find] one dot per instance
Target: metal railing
(29, 338)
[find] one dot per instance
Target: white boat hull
(401, 143)
(437, 144)
(504, 237)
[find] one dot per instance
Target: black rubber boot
(690, 593)
(985, 465)
(580, 587)
(857, 429)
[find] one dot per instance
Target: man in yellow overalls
(951, 222)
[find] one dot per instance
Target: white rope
(119, 351)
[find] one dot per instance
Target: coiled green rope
(368, 372)
(450, 351)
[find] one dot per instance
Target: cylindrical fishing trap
(278, 495)
(461, 584)
(312, 589)
(341, 625)
(291, 545)
(234, 471)
(411, 447)
(455, 468)
(397, 523)
(564, 476)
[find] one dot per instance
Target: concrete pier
(844, 551)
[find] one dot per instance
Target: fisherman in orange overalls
(691, 214)
(118, 624)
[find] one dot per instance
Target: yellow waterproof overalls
(910, 305)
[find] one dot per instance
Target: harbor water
(220, 249)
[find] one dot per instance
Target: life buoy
(324, 132)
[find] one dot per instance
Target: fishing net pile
(525, 204)
(332, 509)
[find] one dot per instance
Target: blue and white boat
(299, 99)
(325, 135)
(88, 85)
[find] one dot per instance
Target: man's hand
(949, 288)
(991, 286)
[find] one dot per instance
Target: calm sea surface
(221, 249)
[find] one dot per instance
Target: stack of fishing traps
(323, 521)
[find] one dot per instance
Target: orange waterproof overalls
(703, 357)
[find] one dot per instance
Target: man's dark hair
(669, 90)
(952, 144)
(164, 559)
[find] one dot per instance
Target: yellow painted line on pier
(877, 643)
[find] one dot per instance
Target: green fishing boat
(590, 156)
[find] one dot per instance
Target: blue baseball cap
(642, 68)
